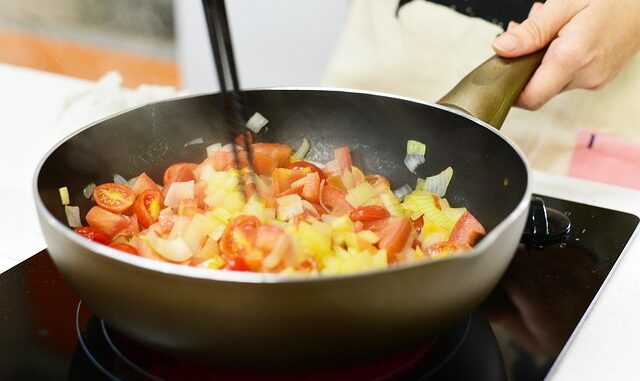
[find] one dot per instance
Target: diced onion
(73, 216)
(194, 141)
(288, 207)
(302, 151)
(436, 184)
(215, 147)
(120, 180)
(402, 191)
(179, 191)
(64, 195)
(415, 147)
(256, 122)
(332, 167)
(88, 190)
(423, 203)
(413, 160)
(360, 194)
(391, 202)
(369, 236)
(175, 250)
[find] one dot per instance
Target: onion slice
(179, 191)
(64, 195)
(415, 155)
(120, 180)
(302, 151)
(436, 184)
(415, 147)
(88, 190)
(402, 191)
(256, 122)
(73, 216)
(194, 141)
(412, 161)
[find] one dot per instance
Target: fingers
(551, 78)
(539, 29)
(535, 8)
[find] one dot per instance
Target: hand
(589, 42)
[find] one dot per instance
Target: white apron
(428, 48)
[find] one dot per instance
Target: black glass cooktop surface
(46, 333)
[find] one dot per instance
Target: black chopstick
(220, 38)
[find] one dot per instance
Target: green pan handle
(489, 91)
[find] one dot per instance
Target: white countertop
(30, 106)
(31, 102)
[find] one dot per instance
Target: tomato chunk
(109, 222)
(343, 156)
(142, 183)
(306, 164)
(368, 213)
(179, 172)
(445, 249)
(467, 230)
(279, 153)
(124, 247)
(311, 188)
(93, 234)
(394, 236)
(132, 229)
(114, 197)
(147, 207)
(334, 199)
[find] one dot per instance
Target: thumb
(538, 29)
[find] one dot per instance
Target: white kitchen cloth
(37, 110)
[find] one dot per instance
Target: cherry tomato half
(124, 247)
(236, 264)
(147, 207)
(93, 234)
(114, 197)
(368, 213)
(239, 235)
(306, 164)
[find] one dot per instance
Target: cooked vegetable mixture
(291, 215)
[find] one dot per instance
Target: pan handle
(489, 91)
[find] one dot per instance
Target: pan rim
(261, 278)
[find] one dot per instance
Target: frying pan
(271, 320)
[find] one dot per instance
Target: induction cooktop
(518, 334)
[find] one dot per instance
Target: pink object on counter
(605, 159)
